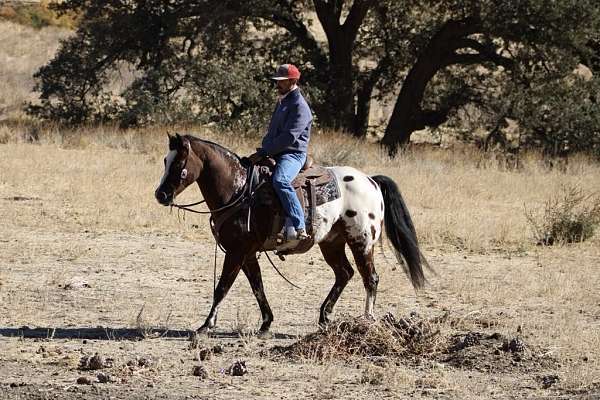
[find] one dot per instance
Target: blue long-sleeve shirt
(289, 129)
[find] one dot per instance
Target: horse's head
(182, 168)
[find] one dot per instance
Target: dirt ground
(70, 294)
(70, 290)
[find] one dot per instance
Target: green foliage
(570, 216)
(558, 116)
(224, 98)
(520, 56)
(208, 61)
(561, 117)
(217, 74)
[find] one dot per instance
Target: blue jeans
(288, 166)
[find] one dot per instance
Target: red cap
(287, 71)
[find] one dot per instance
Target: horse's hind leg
(252, 270)
(363, 255)
(231, 268)
(336, 258)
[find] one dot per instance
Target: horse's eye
(183, 173)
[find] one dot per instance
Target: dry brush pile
(387, 337)
(415, 340)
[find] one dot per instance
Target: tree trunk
(407, 115)
(341, 84)
(363, 109)
(341, 38)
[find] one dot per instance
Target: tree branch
(326, 15)
(355, 17)
(296, 27)
(338, 7)
(477, 58)
(281, 13)
(488, 51)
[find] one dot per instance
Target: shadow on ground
(105, 333)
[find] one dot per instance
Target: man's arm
(296, 122)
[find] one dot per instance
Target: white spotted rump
(359, 207)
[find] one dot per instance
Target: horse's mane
(217, 146)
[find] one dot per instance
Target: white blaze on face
(168, 162)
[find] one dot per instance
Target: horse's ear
(181, 141)
(185, 143)
(172, 142)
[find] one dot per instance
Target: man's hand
(254, 158)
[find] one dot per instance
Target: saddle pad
(317, 174)
(321, 179)
(314, 187)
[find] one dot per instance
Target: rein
(280, 274)
(185, 207)
(247, 187)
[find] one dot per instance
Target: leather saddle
(315, 185)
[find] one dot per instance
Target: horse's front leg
(252, 270)
(231, 268)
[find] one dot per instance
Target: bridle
(228, 209)
(245, 190)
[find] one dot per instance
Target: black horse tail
(401, 231)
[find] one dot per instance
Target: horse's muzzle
(163, 198)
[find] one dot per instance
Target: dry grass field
(90, 263)
(85, 245)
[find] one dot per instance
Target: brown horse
(355, 219)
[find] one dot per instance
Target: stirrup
(302, 235)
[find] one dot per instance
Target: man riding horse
(353, 218)
(286, 141)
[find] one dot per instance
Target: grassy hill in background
(35, 14)
(23, 50)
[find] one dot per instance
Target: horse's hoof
(369, 317)
(264, 335)
(196, 340)
(203, 331)
(323, 325)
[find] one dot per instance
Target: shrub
(569, 216)
(36, 15)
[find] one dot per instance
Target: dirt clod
(515, 345)
(94, 362)
(146, 362)
(84, 380)
(549, 380)
(104, 377)
(200, 371)
(238, 368)
(217, 349)
(204, 354)
(76, 283)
